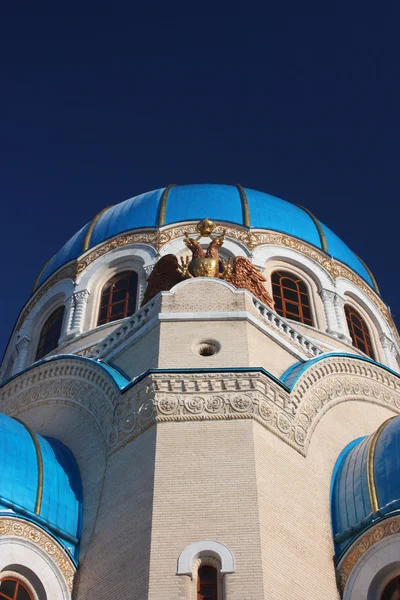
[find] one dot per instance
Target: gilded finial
(205, 227)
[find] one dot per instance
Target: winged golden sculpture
(240, 272)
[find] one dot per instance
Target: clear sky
(300, 100)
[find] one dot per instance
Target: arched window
(50, 333)
(207, 583)
(118, 297)
(291, 297)
(12, 589)
(392, 590)
(358, 331)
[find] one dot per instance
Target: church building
(200, 400)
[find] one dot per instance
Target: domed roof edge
(294, 372)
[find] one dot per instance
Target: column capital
(387, 342)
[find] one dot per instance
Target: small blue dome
(366, 483)
(39, 480)
(228, 203)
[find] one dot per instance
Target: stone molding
(206, 548)
(174, 397)
(16, 527)
(75, 383)
(251, 240)
(203, 396)
(335, 380)
(374, 535)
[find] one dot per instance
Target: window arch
(50, 333)
(392, 590)
(207, 583)
(118, 297)
(291, 297)
(13, 589)
(358, 330)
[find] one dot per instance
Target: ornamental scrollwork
(374, 535)
(157, 239)
(16, 527)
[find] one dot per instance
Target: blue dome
(366, 483)
(228, 203)
(39, 480)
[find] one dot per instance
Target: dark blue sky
(299, 101)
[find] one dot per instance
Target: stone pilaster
(390, 351)
(75, 307)
(21, 353)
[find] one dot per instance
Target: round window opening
(12, 589)
(207, 347)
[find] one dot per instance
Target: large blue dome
(366, 483)
(39, 480)
(228, 203)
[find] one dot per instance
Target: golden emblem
(240, 272)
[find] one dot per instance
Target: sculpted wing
(246, 276)
(163, 277)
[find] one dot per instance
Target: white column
(80, 301)
(343, 330)
(390, 352)
(21, 353)
(75, 308)
(328, 299)
(68, 317)
(334, 313)
(143, 282)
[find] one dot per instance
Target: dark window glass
(12, 589)
(392, 590)
(207, 584)
(358, 331)
(118, 298)
(291, 297)
(50, 333)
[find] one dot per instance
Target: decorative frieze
(157, 239)
(15, 527)
(366, 541)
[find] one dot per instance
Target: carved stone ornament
(157, 239)
(122, 416)
(240, 272)
(215, 396)
(371, 537)
(15, 527)
(78, 384)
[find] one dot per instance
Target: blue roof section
(269, 212)
(40, 481)
(18, 464)
(350, 500)
(361, 498)
(293, 373)
(118, 377)
(71, 250)
(135, 213)
(340, 250)
(195, 202)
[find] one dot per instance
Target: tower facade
(201, 410)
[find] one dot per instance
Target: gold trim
(317, 224)
(370, 274)
(20, 528)
(251, 239)
(245, 205)
(163, 205)
(86, 241)
(39, 492)
(370, 466)
(40, 274)
(371, 537)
